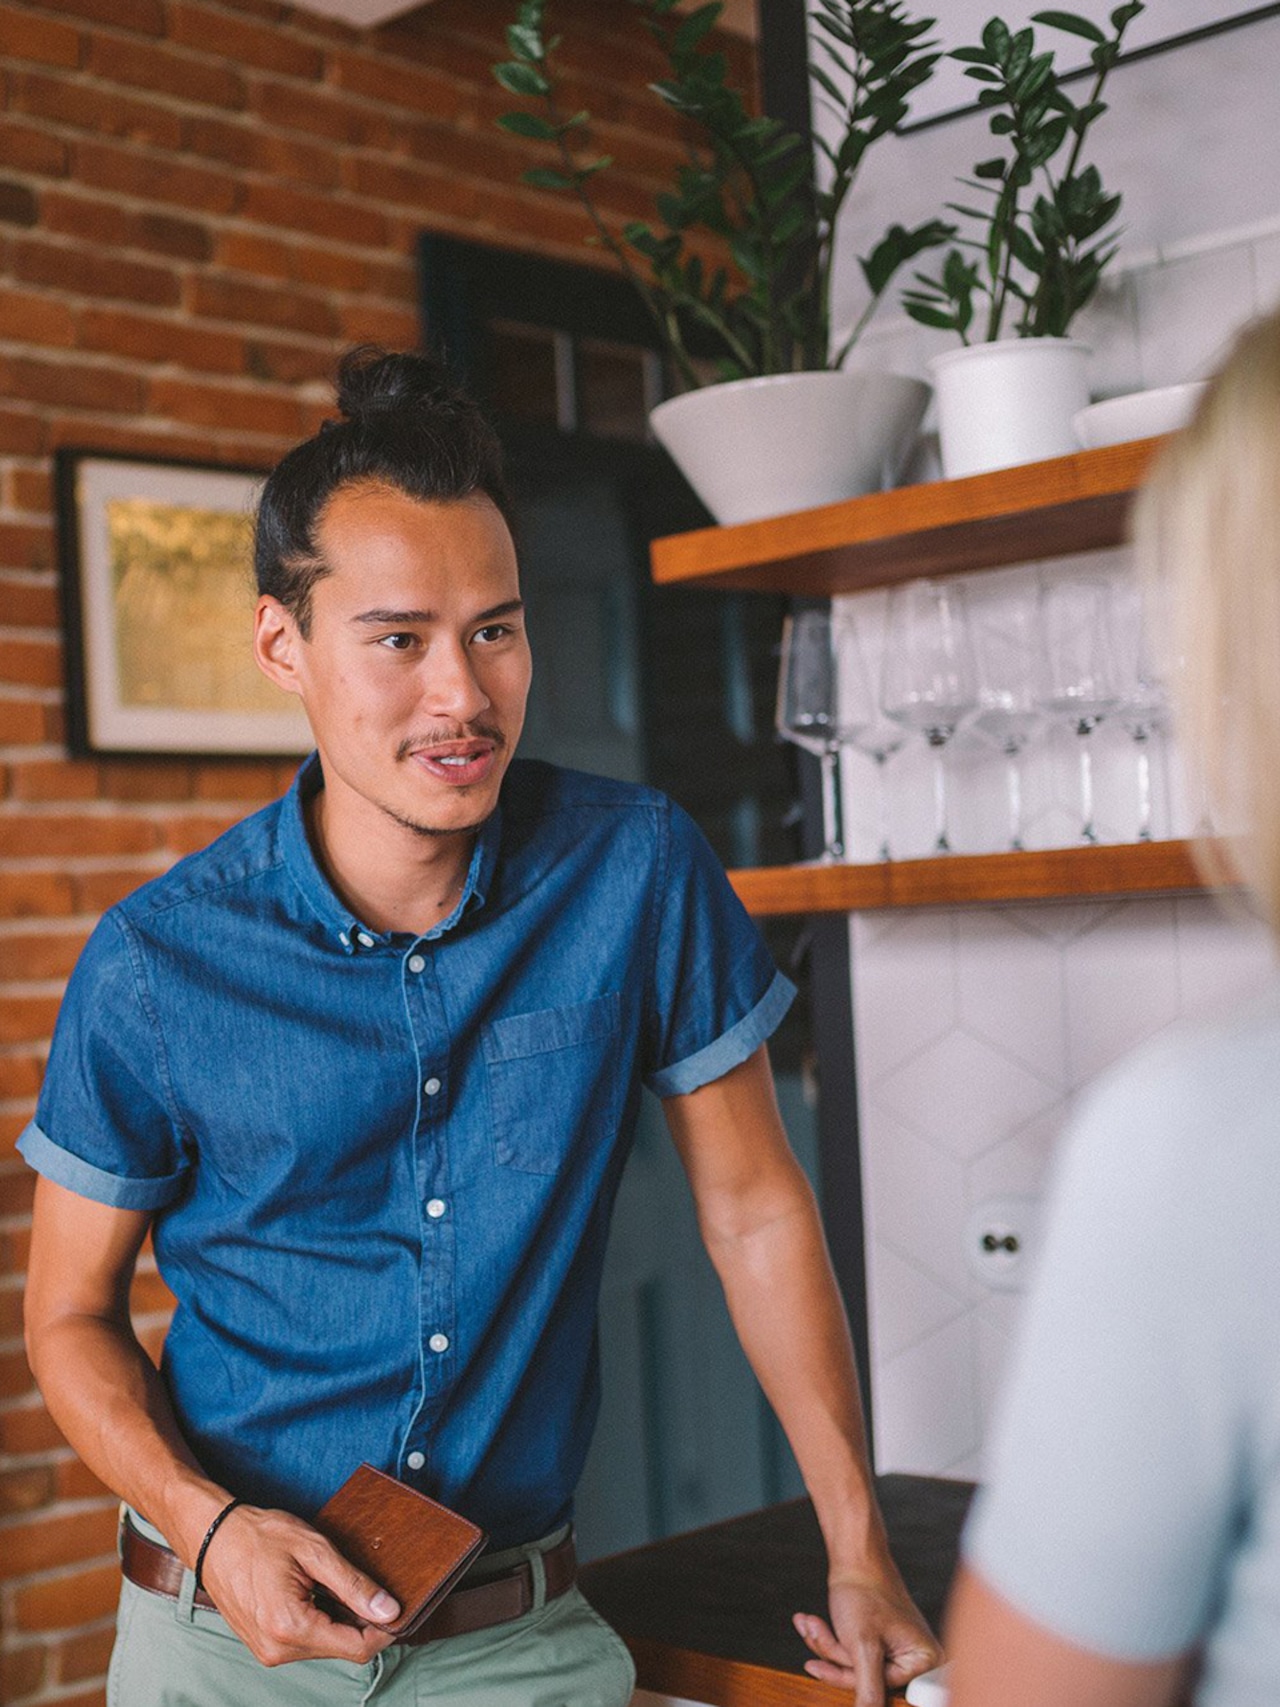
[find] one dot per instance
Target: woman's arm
(999, 1658)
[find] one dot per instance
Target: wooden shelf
(1141, 868)
(948, 527)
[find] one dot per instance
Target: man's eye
(397, 642)
(493, 631)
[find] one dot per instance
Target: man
(367, 1069)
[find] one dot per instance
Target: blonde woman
(1126, 1550)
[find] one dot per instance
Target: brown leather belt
(473, 1606)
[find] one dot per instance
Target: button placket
(425, 1010)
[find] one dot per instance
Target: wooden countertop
(707, 1615)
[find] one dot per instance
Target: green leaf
(521, 79)
(544, 178)
(1071, 23)
(695, 27)
(971, 55)
(989, 169)
(528, 124)
(524, 42)
(898, 246)
(929, 316)
(1123, 16)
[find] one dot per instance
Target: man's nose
(451, 687)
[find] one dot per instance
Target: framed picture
(1165, 24)
(156, 559)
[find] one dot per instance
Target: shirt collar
(350, 933)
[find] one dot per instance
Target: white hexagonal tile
(1061, 921)
(903, 991)
(964, 1095)
(1222, 957)
(1122, 986)
(906, 1304)
(1009, 985)
(913, 1201)
(925, 1405)
(1020, 1165)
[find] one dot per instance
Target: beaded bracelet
(208, 1537)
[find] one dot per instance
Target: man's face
(416, 669)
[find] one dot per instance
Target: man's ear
(276, 641)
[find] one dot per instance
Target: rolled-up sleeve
(104, 1124)
(715, 994)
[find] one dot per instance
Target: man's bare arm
(763, 1232)
(106, 1396)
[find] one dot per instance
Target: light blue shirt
(382, 1166)
(1133, 1505)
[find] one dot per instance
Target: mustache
(437, 737)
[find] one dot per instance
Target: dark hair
(404, 424)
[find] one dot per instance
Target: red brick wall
(201, 203)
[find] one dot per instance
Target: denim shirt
(381, 1167)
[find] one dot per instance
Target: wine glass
(868, 730)
(930, 678)
(814, 646)
(1006, 641)
(1080, 681)
(1144, 705)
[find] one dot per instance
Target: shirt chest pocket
(553, 1075)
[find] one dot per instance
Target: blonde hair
(1207, 531)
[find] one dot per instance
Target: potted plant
(1038, 239)
(739, 258)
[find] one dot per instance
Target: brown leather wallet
(469, 1607)
(413, 1547)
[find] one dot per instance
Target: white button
(364, 939)
(415, 1460)
(416, 963)
(432, 1087)
(439, 1342)
(435, 1208)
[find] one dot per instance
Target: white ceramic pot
(790, 441)
(1138, 414)
(1008, 402)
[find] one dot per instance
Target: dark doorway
(675, 688)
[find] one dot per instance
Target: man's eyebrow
(384, 618)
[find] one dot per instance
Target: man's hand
(262, 1571)
(878, 1638)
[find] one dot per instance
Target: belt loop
(538, 1571)
(184, 1610)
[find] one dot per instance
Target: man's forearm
(790, 1319)
(107, 1397)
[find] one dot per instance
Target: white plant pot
(790, 441)
(1008, 402)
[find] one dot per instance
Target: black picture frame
(157, 598)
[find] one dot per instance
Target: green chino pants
(559, 1654)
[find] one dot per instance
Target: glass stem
(832, 836)
(1144, 788)
(1014, 772)
(1087, 832)
(882, 804)
(941, 844)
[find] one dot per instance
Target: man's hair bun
(374, 383)
(404, 423)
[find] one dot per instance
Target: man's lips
(459, 763)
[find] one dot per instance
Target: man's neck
(392, 877)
